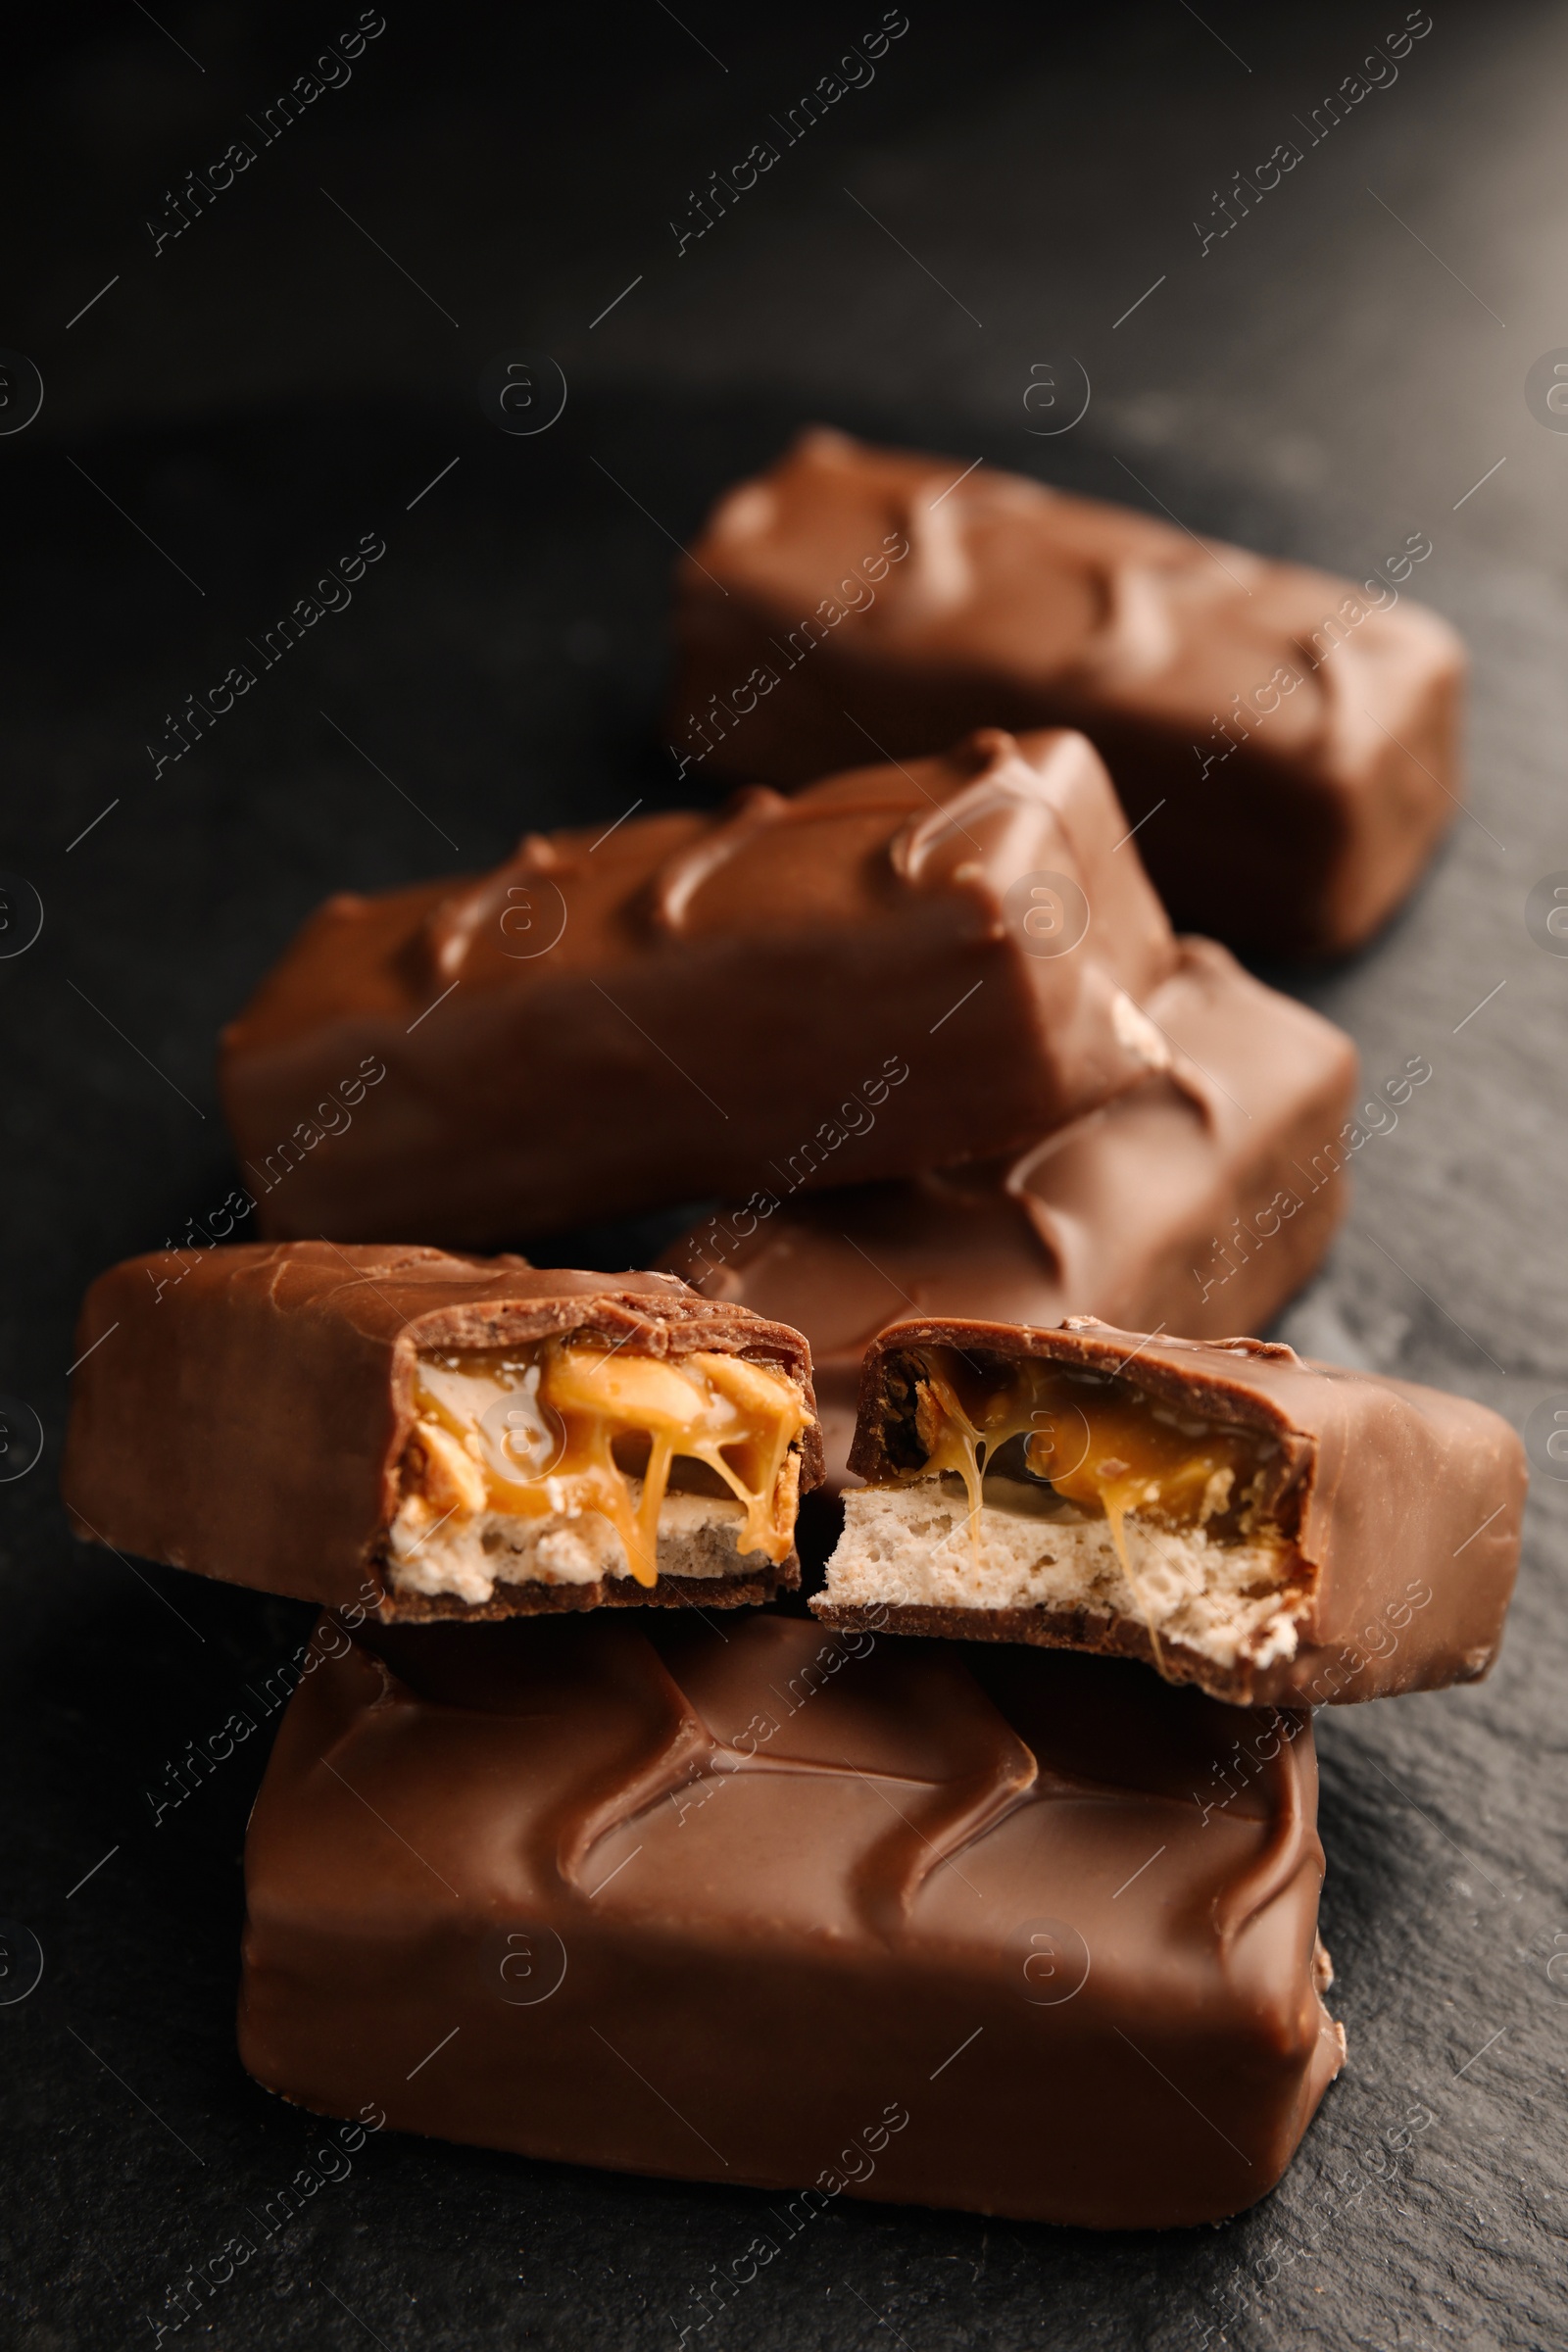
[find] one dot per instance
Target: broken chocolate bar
(906, 965)
(1286, 742)
(1198, 1201)
(428, 1436)
(832, 1916)
(1273, 1530)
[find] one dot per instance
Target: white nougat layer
(468, 1555)
(911, 1546)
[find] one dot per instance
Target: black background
(232, 414)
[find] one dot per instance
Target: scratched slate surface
(1330, 374)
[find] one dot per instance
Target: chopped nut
(443, 1474)
(787, 1491)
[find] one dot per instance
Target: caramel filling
(1094, 1439)
(565, 1427)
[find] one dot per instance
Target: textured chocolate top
(242, 1412)
(1379, 1483)
(1301, 729)
(1198, 1201)
(867, 979)
(718, 1908)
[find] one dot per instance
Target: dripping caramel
(552, 1430)
(1098, 1442)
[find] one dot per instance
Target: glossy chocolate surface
(1285, 741)
(900, 968)
(1026, 1934)
(1405, 1502)
(1198, 1201)
(243, 1412)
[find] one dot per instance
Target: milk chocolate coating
(1391, 1491)
(1302, 731)
(835, 987)
(242, 1412)
(1198, 1201)
(795, 1910)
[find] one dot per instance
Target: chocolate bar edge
(1286, 1684)
(749, 1587)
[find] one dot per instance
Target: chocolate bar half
(1198, 1201)
(1274, 1530)
(1287, 742)
(418, 1435)
(826, 1913)
(902, 966)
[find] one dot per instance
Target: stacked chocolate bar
(1286, 742)
(995, 1886)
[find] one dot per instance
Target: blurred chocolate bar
(1286, 742)
(1198, 1202)
(415, 1434)
(900, 968)
(832, 1916)
(1273, 1530)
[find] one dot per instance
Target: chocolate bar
(1019, 1934)
(415, 1434)
(1275, 1531)
(902, 966)
(1286, 742)
(1198, 1201)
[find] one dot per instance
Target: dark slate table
(1004, 201)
